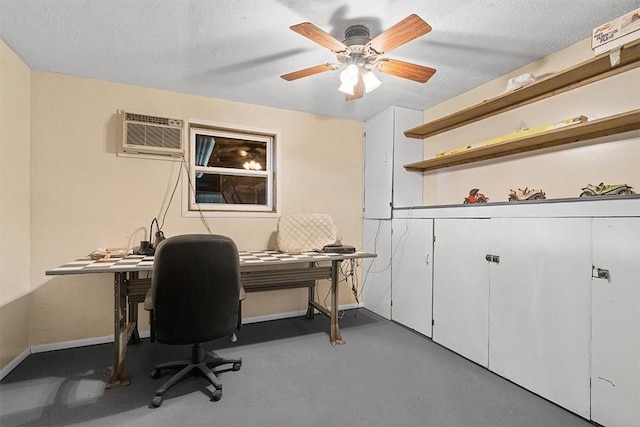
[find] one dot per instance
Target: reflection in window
(231, 171)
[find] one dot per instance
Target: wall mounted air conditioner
(158, 136)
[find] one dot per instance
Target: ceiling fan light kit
(359, 55)
(371, 82)
(349, 78)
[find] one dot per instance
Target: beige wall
(84, 196)
(14, 204)
(560, 172)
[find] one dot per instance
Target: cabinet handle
(426, 258)
(602, 273)
(492, 258)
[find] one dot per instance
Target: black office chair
(195, 297)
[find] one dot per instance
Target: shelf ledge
(616, 124)
(587, 72)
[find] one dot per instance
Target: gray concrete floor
(385, 375)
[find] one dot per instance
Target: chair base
(201, 364)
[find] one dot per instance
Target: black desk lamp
(159, 238)
(148, 247)
(159, 234)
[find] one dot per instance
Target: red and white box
(616, 33)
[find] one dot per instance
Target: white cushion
(305, 232)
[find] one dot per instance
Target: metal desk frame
(130, 289)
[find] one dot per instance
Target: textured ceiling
(237, 49)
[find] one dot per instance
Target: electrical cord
(401, 242)
(164, 216)
(193, 191)
(151, 227)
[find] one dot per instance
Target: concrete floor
(385, 375)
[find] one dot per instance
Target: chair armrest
(148, 301)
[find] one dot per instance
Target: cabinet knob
(492, 258)
(602, 273)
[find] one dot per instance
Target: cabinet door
(378, 165)
(615, 340)
(407, 185)
(376, 283)
(461, 287)
(540, 309)
(411, 291)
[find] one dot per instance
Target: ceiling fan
(362, 55)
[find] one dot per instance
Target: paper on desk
(106, 253)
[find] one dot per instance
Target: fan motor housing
(356, 35)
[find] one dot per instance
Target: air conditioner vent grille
(152, 135)
(131, 117)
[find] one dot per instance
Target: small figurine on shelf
(526, 194)
(606, 190)
(475, 197)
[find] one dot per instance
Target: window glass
(234, 153)
(231, 189)
(230, 171)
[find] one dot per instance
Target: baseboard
(78, 343)
(290, 314)
(15, 362)
(41, 348)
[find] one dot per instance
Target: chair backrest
(195, 288)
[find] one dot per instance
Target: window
(230, 170)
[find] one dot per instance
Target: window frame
(193, 209)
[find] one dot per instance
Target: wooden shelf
(584, 73)
(611, 125)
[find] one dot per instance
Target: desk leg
(133, 316)
(310, 309)
(312, 295)
(120, 374)
(336, 337)
(133, 321)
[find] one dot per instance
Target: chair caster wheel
(155, 374)
(237, 366)
(156, 402)
(217, 395)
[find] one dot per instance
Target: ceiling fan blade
(358, 90)
(406, 70)
(403, 32)
(313, 33)
(306, 72)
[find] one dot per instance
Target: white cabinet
(411, 273)
(461, 287)
(525, 314)
(540, 307)
(386, 183)
(615, 340)
(376, 281)
(555, 309)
